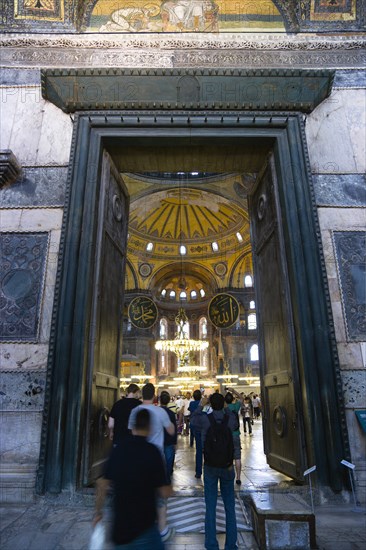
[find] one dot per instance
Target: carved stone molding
(150, 51)
(10, 169)
(188, 41)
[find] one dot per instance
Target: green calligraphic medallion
(142, 312)
(223, 310)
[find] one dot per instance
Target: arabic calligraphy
(223, 310)
(142, 312)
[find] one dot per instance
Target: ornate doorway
(298, 417)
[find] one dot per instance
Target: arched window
(186, 329)
(202, 293)
(193, 294)
(252, 321)
(202, 327)
(254, 353)
(248, 281)
(163, 293)
(182, 250)
(252, 304)
(172, 294)
(163, 328)
(149, 247)
(183, 295)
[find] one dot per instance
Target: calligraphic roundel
(223, 310)
(142, 312)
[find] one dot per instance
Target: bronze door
(282, 418)
(106, 316)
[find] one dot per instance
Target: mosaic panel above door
(177, 16)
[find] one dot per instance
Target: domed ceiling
(208, 217)
(185, 216)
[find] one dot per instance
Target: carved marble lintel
(10, 169)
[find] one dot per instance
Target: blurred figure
(247, 413)
(120, 413)
(137, 473)
(186, 413)
(235, 407)
(170, 441)
(180, 409)
(159, 421)
(195, 433)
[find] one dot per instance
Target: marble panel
(19, 445)
(41, 186)
(8, 107)
(355, 108)
(21, 357)
(354, 388)
(327, 242)
(49, 289)
(22, 391)
(329, 137)
(350, 356)
(22, 270)
(19, 77)
(26, 128)
(55, 140)
(342, 218)
(340, 189)
(350, 79)
(40, 219)
(350, 250)
(339, 324)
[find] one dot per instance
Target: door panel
(106, 318)
(283, 434)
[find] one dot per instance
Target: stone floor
(62, 523)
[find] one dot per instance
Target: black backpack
(218, 449)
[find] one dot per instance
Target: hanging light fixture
(182, 346)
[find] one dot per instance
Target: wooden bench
(282, 521)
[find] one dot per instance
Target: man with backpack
(218, 451)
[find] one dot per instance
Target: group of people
(141, 462)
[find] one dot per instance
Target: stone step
(282, 521)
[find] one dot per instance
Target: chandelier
(226, 377)
(182, 346)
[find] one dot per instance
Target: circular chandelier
(181, 345)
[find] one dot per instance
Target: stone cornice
(188, 50)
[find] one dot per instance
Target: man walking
(120, 413)
(134, 470)
(218, 449)
(159, 421)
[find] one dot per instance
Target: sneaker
(197, 476)
(238, 482)
(245, 433)
(251, 435)
(168, 535)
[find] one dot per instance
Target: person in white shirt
(187, 412)
(256, 402)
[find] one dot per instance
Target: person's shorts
(237, 447)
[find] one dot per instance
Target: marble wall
(39, 134)
(336, 141)
(23, 366)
